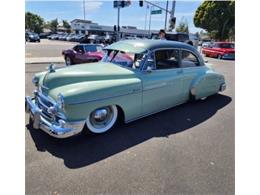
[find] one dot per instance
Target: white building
(80, 26)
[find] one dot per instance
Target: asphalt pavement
(189, 149)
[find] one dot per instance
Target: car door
(192, 68)
(79, 55)
(161, 81)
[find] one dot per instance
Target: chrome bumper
(62, 129)
(223, 87)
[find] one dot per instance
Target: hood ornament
(51, 68)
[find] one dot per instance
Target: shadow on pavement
(84, 150)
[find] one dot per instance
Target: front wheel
(102, 119)
(68, 61)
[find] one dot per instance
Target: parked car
(220, 50)
(83, 53)
(205, 44)
(174, 36)
(44, 35)
(93, 97)
(70, 36)
(32, 37)
(97, 39)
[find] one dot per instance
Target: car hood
(100, 71)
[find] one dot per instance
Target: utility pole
(118, 22)
(165, 24)
(173, 8)
(146, 17)
(84, 9)
(151, 8)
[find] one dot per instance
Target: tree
(216, 17)
(33, 22)
(183, 26)
(54, 25)
(66, 25)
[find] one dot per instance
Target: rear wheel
(102, 119)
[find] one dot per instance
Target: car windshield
(125, 59)
(226, 45)
(92, 48)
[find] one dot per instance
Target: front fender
(84, 97)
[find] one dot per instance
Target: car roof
(89, 44)
(223, 42)
(140, 45)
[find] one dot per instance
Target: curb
(44, 60)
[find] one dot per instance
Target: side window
(188, 59)
(166, 59)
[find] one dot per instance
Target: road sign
(159, 11)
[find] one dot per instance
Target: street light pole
(165, 24)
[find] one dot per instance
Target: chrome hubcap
(68, 61)
(100, 118)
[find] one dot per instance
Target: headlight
(60, 101)
(35, 80)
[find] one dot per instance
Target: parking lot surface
(188, 149)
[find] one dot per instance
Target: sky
(103, 13)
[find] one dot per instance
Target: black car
(44, 35)
(174, 36)
(32, 37)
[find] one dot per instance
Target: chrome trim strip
(84, 102)
(156, 86)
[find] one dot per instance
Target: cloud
(91, 5)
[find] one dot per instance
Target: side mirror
(80, 51)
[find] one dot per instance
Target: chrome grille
(44, 104)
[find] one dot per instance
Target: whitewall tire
(102, 119)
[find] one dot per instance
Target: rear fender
(206, 85)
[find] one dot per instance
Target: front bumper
(62, 129)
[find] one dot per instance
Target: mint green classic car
(135, 78)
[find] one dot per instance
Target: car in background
(93, 38)
(44, 35)
(220, 50)
(205, 44)
(70, 37)
(93, 97)
(32, 37)
(83, 53)
(63, 37)
(175, 36)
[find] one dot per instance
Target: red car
(83, 53)
(220, 50)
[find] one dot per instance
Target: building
(87, 27)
